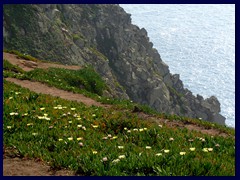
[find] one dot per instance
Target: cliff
(103, 36)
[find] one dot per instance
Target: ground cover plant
(86, 81)
(98, 141)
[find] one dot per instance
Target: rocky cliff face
(103, 36)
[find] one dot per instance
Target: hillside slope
(49, 135)
(103, 36)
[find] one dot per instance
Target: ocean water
(197, 41)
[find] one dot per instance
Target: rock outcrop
(103, 36)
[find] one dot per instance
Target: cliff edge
(104, 37)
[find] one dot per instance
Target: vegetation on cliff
(106, 141)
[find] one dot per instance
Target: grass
(86, 81)
(97, 141)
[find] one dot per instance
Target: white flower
(158, 154)
(42, 108)
(121, 156)
(210, 149)
(148, 147)
(60, 139)
(120, 147)
(135, 129)
(125, 129)
(70, 138)
(80, 144)
(29, 124)
(9, 127)
(166, 151)
(115, 160)
(104, 159)
(104, 138)
(141, 130)
(69, 122)
(73, 109)
(160, 125)
(182, 153)
(10, 97)
(79, 125)
(192, 149)
(171, 139)
(48, 119)
(34, 134)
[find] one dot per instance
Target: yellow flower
(79, 125)
(9, 127)
(45, 115)
(12, 113)
(114, 137)
(73, 109)
(120, 147)
(148, 147)
(141, 130)
(34, 134)
(94, 126)
(145, 129)
(29, 124)
(192, 149)
(10, 97)
(94, 152)
(42, 108)
(60, 139)
(69, 122)
(125, 129)
(159, 154)
(166, 151)
(182, 153)
(59, 107)
(205, 149)
(70, 139)
(79, 138)
(55, 107)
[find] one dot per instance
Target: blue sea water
(197, 41)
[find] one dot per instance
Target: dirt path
(27, 167)
(13, 59)
(45, 89)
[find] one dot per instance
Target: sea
(196, 41)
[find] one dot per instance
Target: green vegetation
(80, 81)
(99, 54)
(98, 141)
